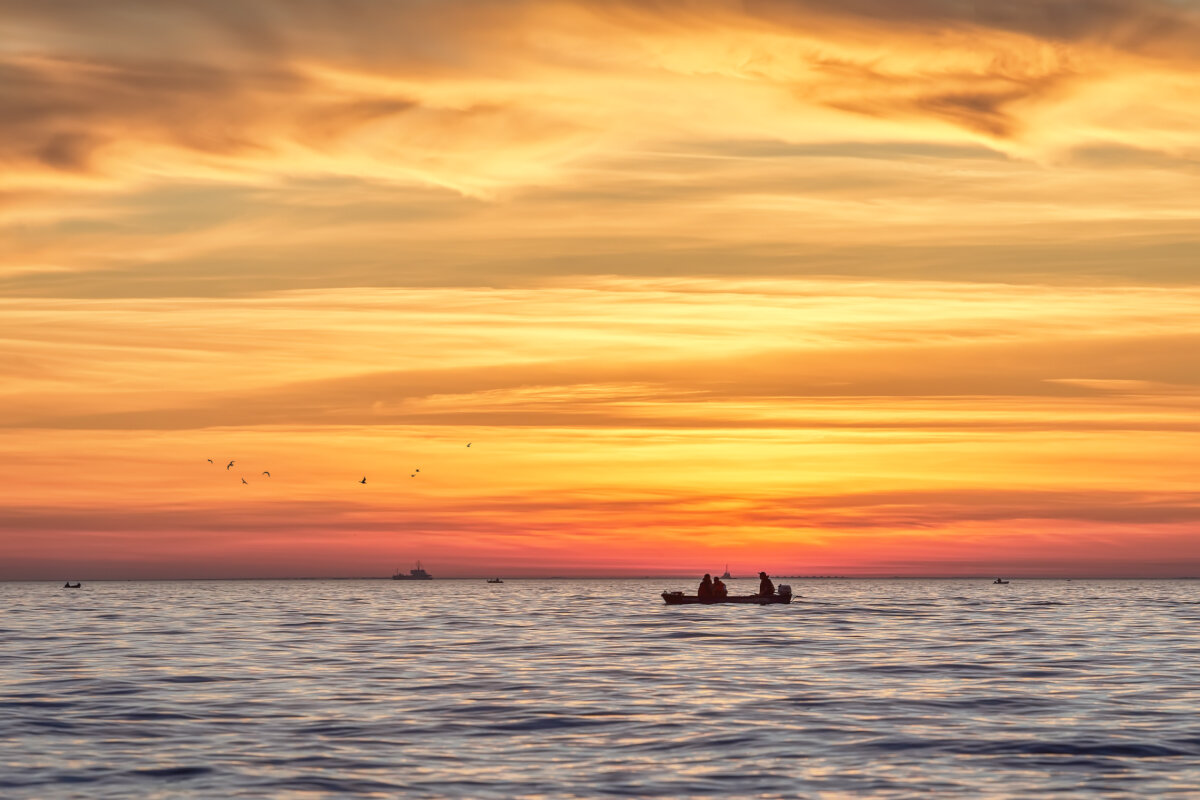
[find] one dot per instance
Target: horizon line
(621, 577)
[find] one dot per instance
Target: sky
(813, 287)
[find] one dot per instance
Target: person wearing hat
(765, 587)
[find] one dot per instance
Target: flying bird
(230, 464)
(266, 473)
(210, 461)
(243, 480)
(468, 444)
(364, 480)
(416, 470)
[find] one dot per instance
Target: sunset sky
(855, 287)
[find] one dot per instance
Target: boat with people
(69, 585)
(417, 573)
(999, 581)
(712, 592)
(783, 596)
(495, 580)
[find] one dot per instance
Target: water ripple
(596, 689)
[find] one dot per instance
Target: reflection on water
(596, 688)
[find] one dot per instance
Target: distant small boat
(69, 585)
(414, 574)
(726, 576)
(999, 581)
(495, 580)
(783, 596)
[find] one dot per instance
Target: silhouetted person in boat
(705, 592)
(765, 587)
(720, 592)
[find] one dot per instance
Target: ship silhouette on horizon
(417, 573)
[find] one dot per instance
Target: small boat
(784, 596)
(999, 581)
(726, 576)
(496, 580)
(417, 573)
(69, 585)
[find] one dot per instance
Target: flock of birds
(229, 466)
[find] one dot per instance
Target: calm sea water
(564, 689)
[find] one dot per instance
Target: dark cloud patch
(980, 111)
(983, 101)
(67, 151)
(1158, 28)
(60, 112)
(407, 34)
(1123, 156)
(403, 30)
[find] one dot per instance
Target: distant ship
(414, 574)
(726, 576)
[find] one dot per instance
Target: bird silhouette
(364, 480)
(413, 475)
(468, 444)
(230, 464)
(243, 480)
(266, 473)
(210, 461)
(416, 470)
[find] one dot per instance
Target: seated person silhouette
(705, 592)
(765, 587)
(719, 591)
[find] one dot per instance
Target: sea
(596, 688)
